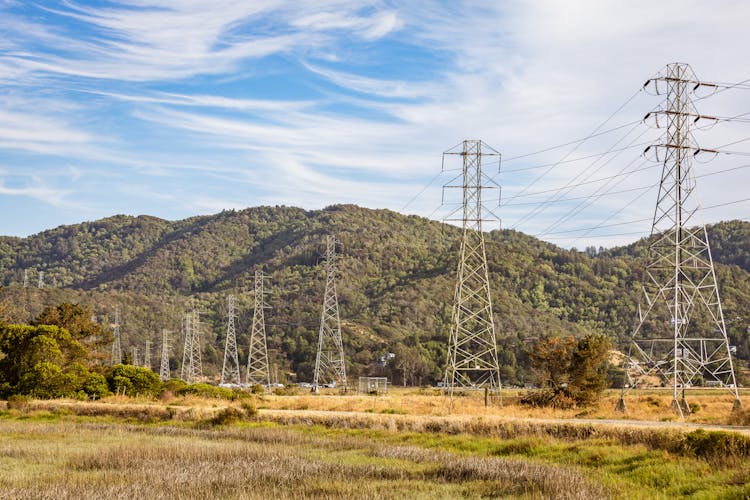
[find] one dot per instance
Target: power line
(421, 192)
(570, 185)
(573, 160)
(701, 209)
(578, 143)
(584, 139)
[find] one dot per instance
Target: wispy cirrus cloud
(315, 103)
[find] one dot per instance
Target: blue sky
(183, 107)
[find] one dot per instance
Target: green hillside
(395, 286)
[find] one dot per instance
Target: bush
(249, 408)
(44, 380)
(226, 416)
(134, 380)
(207, 391)
(717, 446)
(96, 386)
(19, 402)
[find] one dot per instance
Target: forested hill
(395, 285)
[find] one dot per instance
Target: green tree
(134, 380)
(78, 320)
(45, 362)
(569, 372)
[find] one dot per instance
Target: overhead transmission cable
(578, 144)
(570, 143)
(585, 174)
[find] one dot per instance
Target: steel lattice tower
(472, 345)
(40, 280)
(116, 344)
(187, 348)
(192, 366)
(330, 366)
(164, 367)
(147, 355)
(257, 356)
(134, 359)
(195, 365)
(230, 369)
(681, 336)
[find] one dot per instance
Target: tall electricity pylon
(330, 367)
(195, 365)
(230, 369)
(134, 358)
(147, 355)
(187, 348)
(257, 356)
(192, 366)
(680, 337)
(25, 278)
(472, 345)
(164, 367)
(40, 280)
(116, 344)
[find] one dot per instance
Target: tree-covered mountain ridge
(395, 285)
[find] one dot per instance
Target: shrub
(207, 391)
(96, 386)
(226, 416)
(19, 402)
(44, 380)
(249, 408)
(135, 380)
(716, 446)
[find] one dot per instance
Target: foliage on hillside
(395, 286)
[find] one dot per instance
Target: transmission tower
(134, 360)
(147, 355)
(192, 367)
(40, 280)
(116, 346)
(257, 357)
(680, 338)
(230, 369)
(330, 368)
(195, 366)
(472, 345)
(188, 348)
(164, 374)
(25, 278)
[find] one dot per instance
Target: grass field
(709, 406)
(328, 446)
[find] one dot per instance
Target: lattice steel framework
(164, 372)
(230, 369)
(147, 355)
(187, 348)
(116, 343)
(472, 345)
(330, 365)
(192, 366)
(257, 356)
(680, 338)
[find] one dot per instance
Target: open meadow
(407, 444)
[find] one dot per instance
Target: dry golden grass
(78, 460)
(711, 406)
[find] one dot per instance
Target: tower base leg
(621, 407)
(737, 406)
